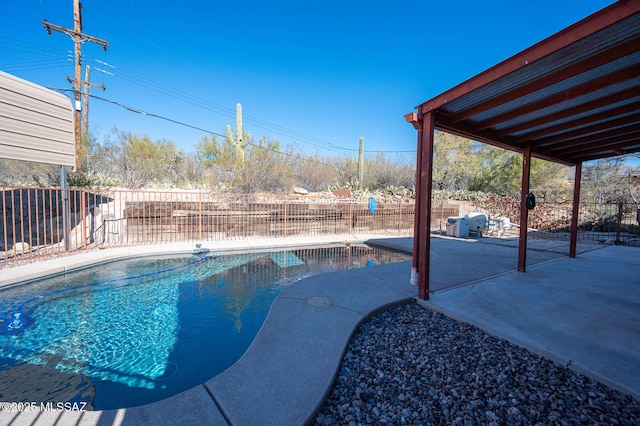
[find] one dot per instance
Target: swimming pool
(132, 332)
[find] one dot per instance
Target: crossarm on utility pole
(78, 37)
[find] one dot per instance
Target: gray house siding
(36, 123)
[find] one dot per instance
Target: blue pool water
(132, 332)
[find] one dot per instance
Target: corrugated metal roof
(612, 108)
(36, 124)
(573, 97)
(527, 119)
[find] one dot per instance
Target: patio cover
(573, 97)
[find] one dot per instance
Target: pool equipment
(458, 227)
(478, 223)
(199, 249)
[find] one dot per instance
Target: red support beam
(574, 214)
(416, 222)
(424, 174)
(524, 213)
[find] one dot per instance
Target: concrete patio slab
(358, 289)
(459, 261)
(582, 312)
(285, 374)
(288, 370)
(191, 407)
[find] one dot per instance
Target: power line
(381, 151)
(207, 104)
(225, 111)
(212, 106)
(32, 49)
(229, 112)
(149, 114)
(28, 47)
(31, 66)
(297, 157)
(181, 123)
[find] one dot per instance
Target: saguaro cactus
(239, 143)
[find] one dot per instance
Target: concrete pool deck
(584, 312)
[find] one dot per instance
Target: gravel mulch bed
(410, 365)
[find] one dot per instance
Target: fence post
(619, 223)
(285, 219)
(83, 211)
(3, 193)
(200, 219)
(65, 208)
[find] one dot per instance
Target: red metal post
(524, 213)
(83, 217)
(424, 212)
(21, 238)
(30, 227)
(416, 215)
(574, 214)
(3, 194)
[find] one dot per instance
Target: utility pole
(85, 95)
(361, 163)
(78, 37)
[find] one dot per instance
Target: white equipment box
(458, 227)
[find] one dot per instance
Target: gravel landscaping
(411, 365)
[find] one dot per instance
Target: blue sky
(315, 75)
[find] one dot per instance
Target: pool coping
(283, 377)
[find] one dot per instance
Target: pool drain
(16, 321)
